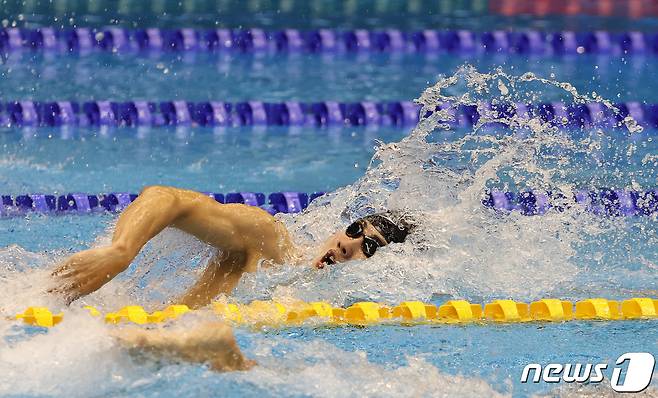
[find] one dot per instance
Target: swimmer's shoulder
(270, 236)
(262, 231)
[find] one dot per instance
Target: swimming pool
(469, 252)
(203, 76)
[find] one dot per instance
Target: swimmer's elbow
(159, 195)
(165, 192)
(155, 190)
(163, 198)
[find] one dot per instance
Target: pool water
(236, 77)
(221, 160)
(468, 252)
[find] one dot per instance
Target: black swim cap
(391, 224)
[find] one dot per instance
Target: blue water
(310, 159)
(221, 160)
(492, 352)
(272, 159)
(80, 359)
(301, 77)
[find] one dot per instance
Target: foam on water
(462, 249)
(78, 358)
(326, 371)
(74, 359)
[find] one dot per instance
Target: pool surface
(308, 77)
(439, 172)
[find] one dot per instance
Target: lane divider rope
(605, 202)
(293, 113)
(82, 203)
(276, 314)
(115, 39)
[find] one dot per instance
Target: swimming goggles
(357, 230)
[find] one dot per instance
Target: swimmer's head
(363, 237)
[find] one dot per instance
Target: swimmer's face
(342, 246)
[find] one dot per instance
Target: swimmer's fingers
(74, 280)
(70, 289)
(59, 290)
(84, 284)
(58, 271)
(80, 275)
(64, 290)
(65, 284)
(63, 269)
(72, 265)
(69, 273)
(84, 274)
(72, 294)
(67, 295)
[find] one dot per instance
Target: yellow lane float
(639, 308)
(364, 313)
(40, 316)
(92, 310)
(551, 310)
(228, 311)
(597, 308)
(310, 310)
(506, 311)
(460, 311)
(415, 311)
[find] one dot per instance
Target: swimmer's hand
(86, 271)
(212, 343)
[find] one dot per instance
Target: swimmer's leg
(212, 343)
(85, 272)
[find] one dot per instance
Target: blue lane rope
(325, 40)
(81, 203)
(293, 113)
(605, 202)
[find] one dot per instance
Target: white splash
(462, 249)
(320, 369)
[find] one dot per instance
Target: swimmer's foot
(212, 343)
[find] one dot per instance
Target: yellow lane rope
(272, 313)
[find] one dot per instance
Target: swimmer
(245, 235)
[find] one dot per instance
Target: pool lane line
(602, 202)
(311, 114)
(255, 40)
(276, 314)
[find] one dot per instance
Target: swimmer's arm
(234, 228)
(221, 275)
(212, 343)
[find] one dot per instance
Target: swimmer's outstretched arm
(212, 343)
(245, 234)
